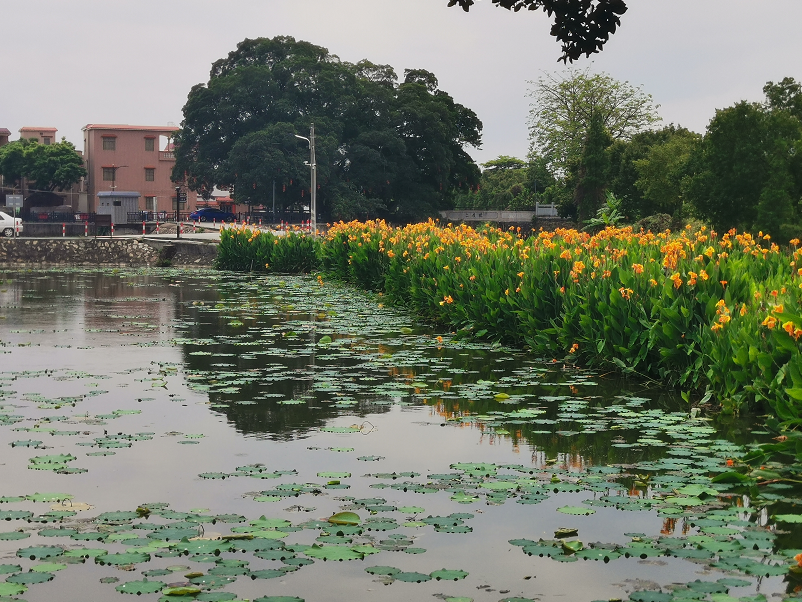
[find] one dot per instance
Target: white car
(8, 225)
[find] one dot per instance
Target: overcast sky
(67, 64)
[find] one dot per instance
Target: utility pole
(313, 168)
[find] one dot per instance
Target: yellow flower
(770, 322)
(637, 268)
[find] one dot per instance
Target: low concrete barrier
(104, 252)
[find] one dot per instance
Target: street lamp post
(313, 168)
(114, 169)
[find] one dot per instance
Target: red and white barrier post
(143, 227)
(194, 226)
(86, 228)
(112, 228)
(157, 225)
(63, 230)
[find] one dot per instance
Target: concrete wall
(104, 252)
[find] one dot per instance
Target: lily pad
(449, 575)
(576, 510)
(412, 577)
(140, 587)
(338, 553)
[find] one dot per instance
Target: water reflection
(203, 358)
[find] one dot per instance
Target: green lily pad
(12, 589)
(39, 552)
(140, 587)
(338, 553)
(267, 574)
(49, 497)
(15, 515)
(30, 578)
(382, 570)
(344, 518)
(12, 535)
(785, 518)
(184, 590)
(412, 577)
(122, 558)
(449, 575)
(576, 510)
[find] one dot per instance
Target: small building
(139, 158)
(44, 135)
(5, 133)
(119, 205)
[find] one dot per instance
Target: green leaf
(576, 510)
(344, 518)
(140, 587)
(448, 575)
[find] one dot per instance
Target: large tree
(582, 26)
(48, 166)
(593, 174)
(382, 147)
(747, 171)
(565, 105)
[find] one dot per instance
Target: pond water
(158, 424)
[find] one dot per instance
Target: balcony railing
(166, 156)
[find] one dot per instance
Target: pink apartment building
(133, 158)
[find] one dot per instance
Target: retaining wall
(104, 251)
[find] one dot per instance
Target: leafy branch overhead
(582, 26)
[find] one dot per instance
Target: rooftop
(137, 128)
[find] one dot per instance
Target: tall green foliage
(594, 170)
(47, 166)
(382, 146)
(746, 172)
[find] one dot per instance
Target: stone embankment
(132, 252)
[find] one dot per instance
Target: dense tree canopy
(747, 172)
(49, 166)
(582, 26)
(382, 147)
(565, 105)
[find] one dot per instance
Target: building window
(150, 203)
(150, 144)
(150, 174)
(46, 139)
(109, 143)
(108, 174)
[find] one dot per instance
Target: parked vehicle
(209, 214)
(8, 224)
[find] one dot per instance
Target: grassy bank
(701, 311)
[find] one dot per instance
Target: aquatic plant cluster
(696, 309)
(334, 448)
